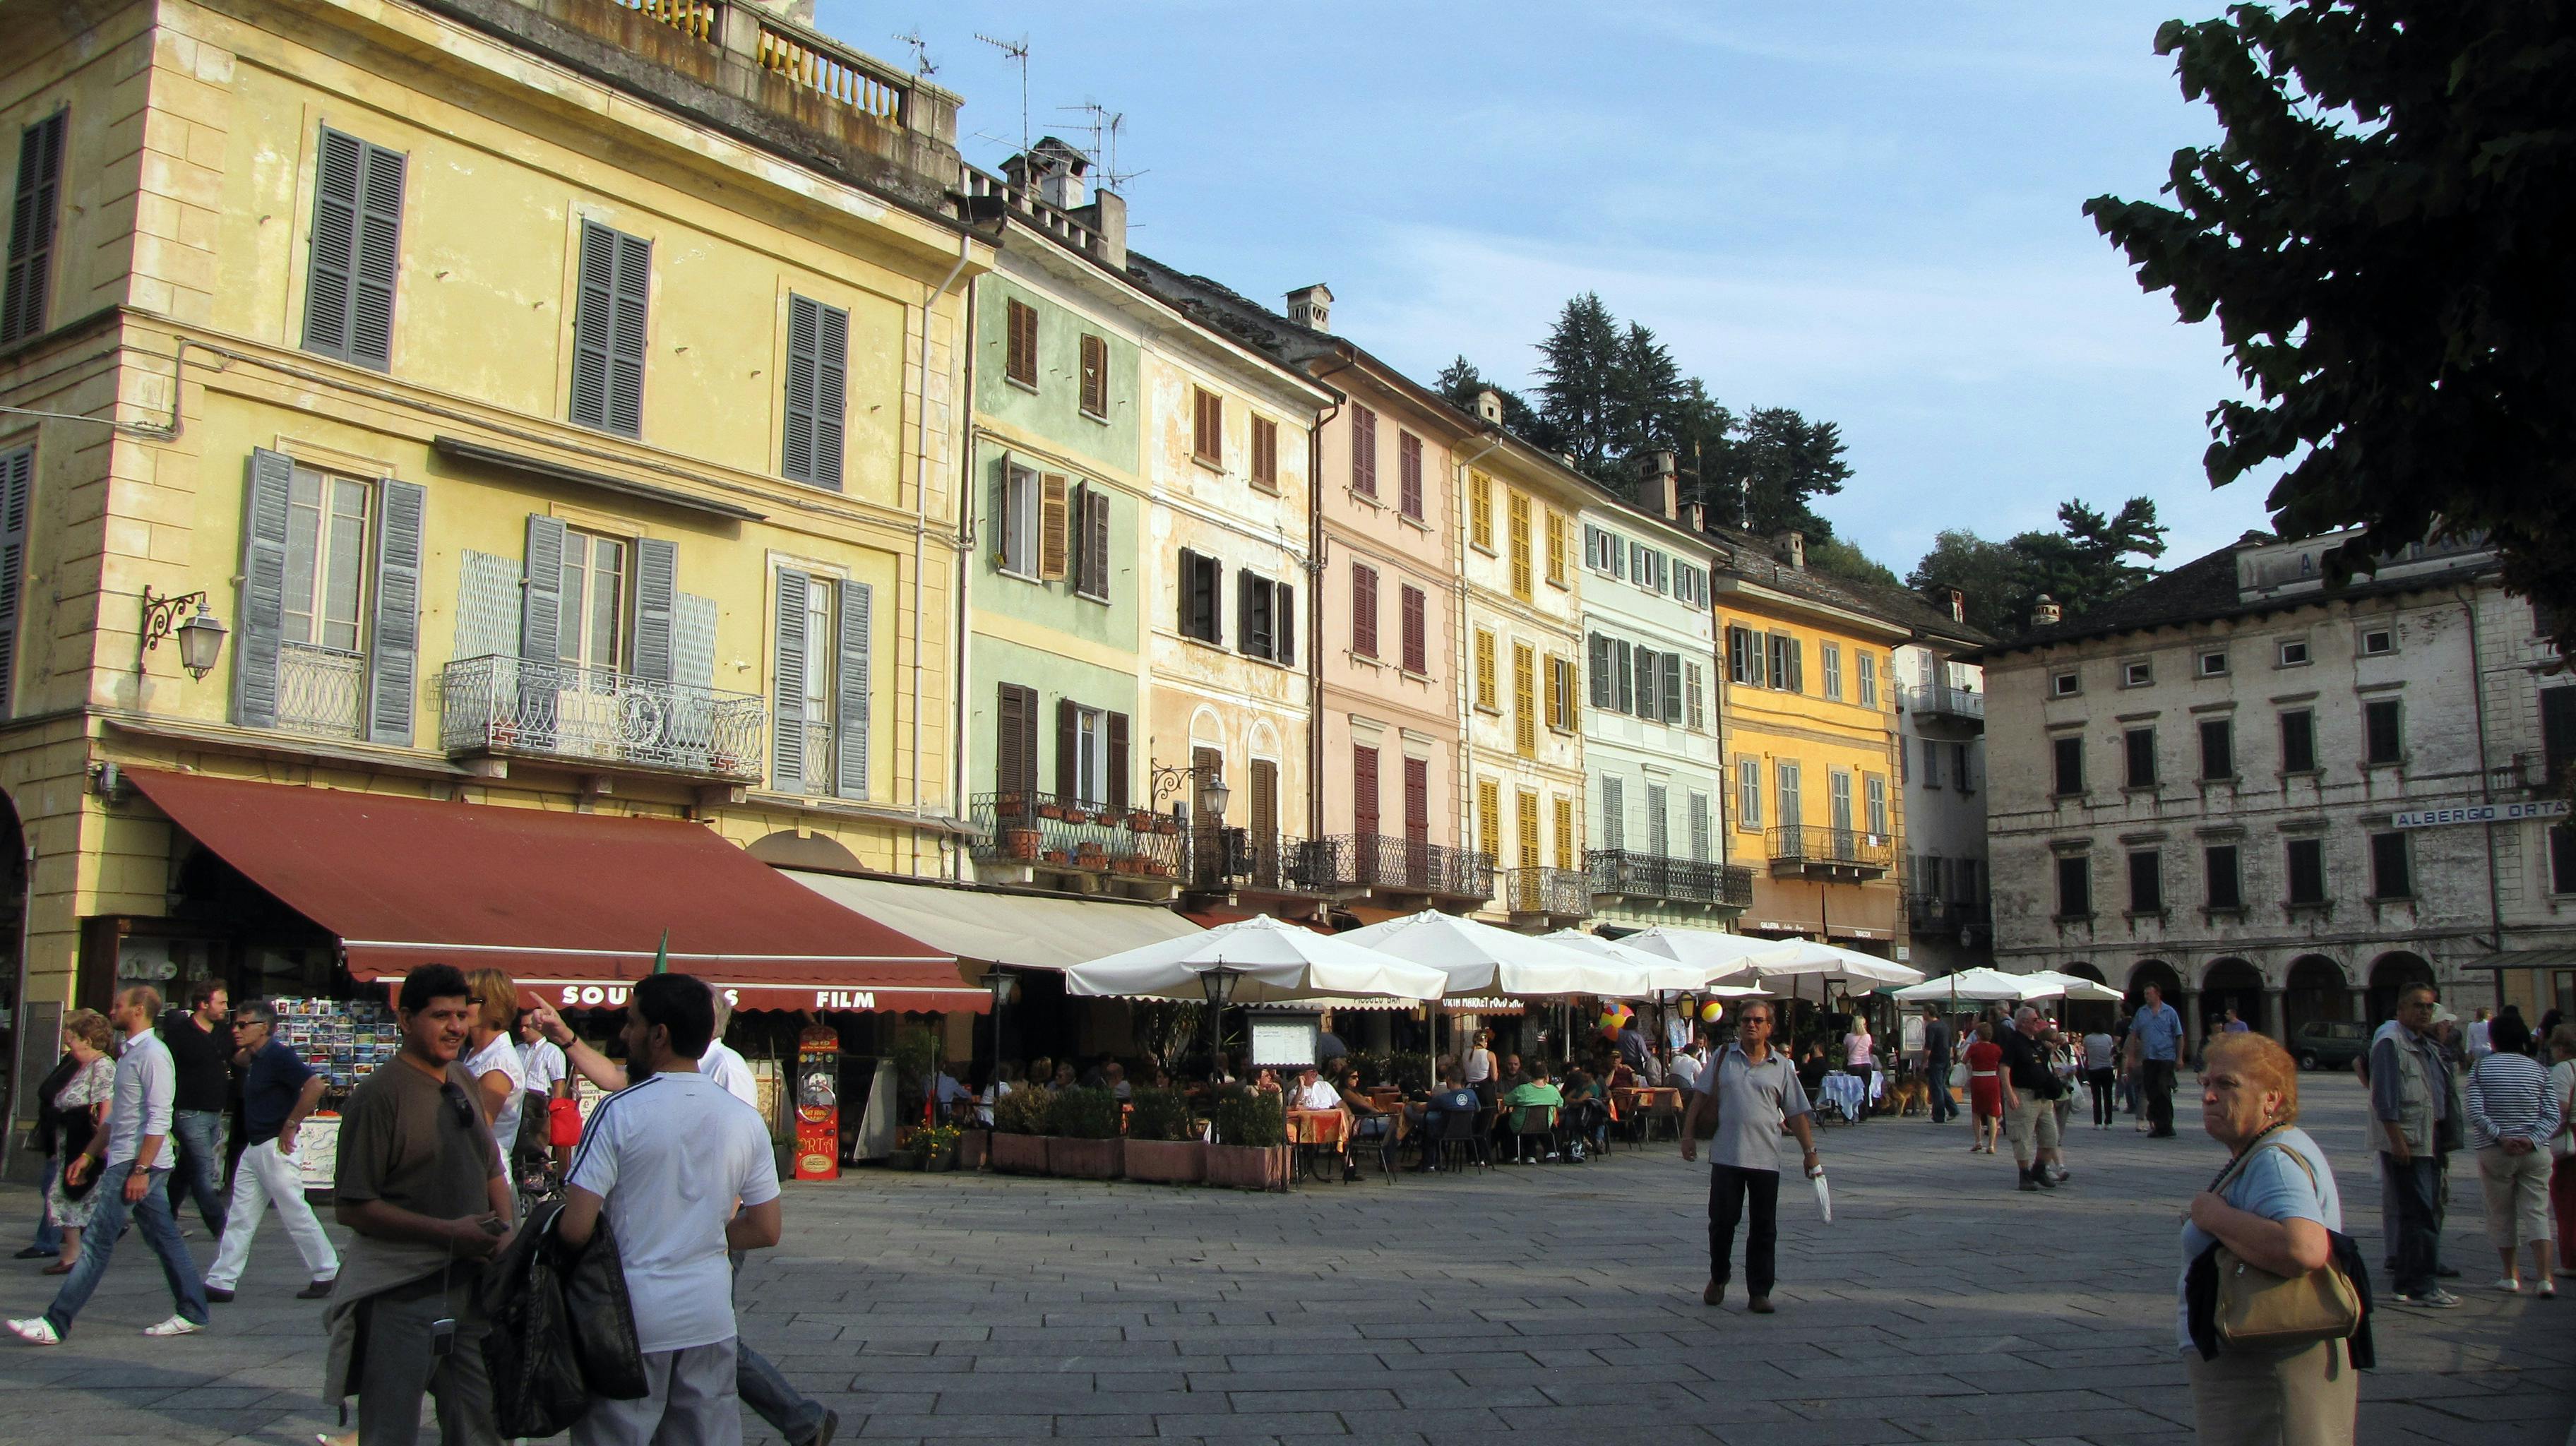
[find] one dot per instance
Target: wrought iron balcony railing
(515, 706)
(1399, 865)
(1682, 881)
(1927, 914)
(1831, 849)
(1940, 700)
(1557, 893)
(1060, 832)
(1239, 858)
(321, 691)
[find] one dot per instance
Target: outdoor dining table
(1647, 1103)
(1314, 1133)
(1846, 1093)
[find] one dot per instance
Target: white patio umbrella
(1834, 964)
(1713, 954)
(1656, 973)
(1978, 986)
(2075, 988)
(1482, 959)
(1268, 959)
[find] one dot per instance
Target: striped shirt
(2509, 1096)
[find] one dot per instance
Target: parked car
(2329, 1043)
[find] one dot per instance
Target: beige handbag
(2258, 1310)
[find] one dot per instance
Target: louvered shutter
(1417, 632)
(17, 484)
(1095, 376)
(394, 648)
(657, 583)
(1797, 666)
(1597, 654)
(1283, 626)
(1623, 669)
(1054, 525)
(1364, 792)
(818, 356)
(1649, 684)
(1408, 462)
(23, 292)
(1068, 751)
(1015, 753)
(853, 691)
(331, 272)
(1189, 594)
(787, 682)
(1114, 787)
(593, 323)
(1672, 687)
(1265, 806)
(1244, 582)
(1417, 800)
(1364, 451)
(1095, 543)
(1013, 551)
(263, 590)
(1699, 828)
(1614, 813)
(378, 259)
(1658, 821)
(1364, 611)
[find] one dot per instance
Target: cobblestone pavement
(1558, 1301)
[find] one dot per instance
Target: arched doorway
(2316, 992)
(2230, 984)
(2087, 1014)
(2389, 973)
(2158, 973)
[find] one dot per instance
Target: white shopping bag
(1824, 1196)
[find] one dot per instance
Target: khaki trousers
(2031, 1126)
(2517, 1196)
(2305, 1397)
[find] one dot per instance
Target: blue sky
(1867, 211)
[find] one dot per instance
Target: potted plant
(1163, 1144)
(1020, 844)
(933, 1147)
(1082, 1135)
(1051, 809)
(1092, 856)
(1251, 1149)
(1140, 820)
(1058, 856)
(1019, 1131)
(1076, 813)
(916, 1063)
(1164, 823)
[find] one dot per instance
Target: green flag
(662, 954)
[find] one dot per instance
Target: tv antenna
(1105, 126)
(921, 65)
(1017, 51)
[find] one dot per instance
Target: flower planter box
(1250, 1167)
(1059, 856)
(1166, 824)
(1084, 1159)
(1051, 810)
(1094, 859)
(1167, 1162)
(1020, 844)
(1019, 1154)
(1140, 821)
(972, 1148)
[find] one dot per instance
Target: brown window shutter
(1265, 800)
(1113, 789)
(1095, 376)
(1364, 611)
(1364, 451)
(1068, 749)
(1417, 800)
(1016, 761)
(1408, 474)
(1364, 790)
(1053, 525)
(1020, 359)
(1417, 643)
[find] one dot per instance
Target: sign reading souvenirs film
(2479, 813)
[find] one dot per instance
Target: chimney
(1489, 406)
(1658, 486)
(1053, 172)
(1107, 218)
(1312, 307)
(2046, 612)
(1793, 550)
(1694, 517)
(1958, 602)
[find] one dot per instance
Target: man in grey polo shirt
(1753, 1091)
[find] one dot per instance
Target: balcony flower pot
(972, 1149)
(1166, 825)
(1020, 843)
(1077, 815)
(1093, 857)
(1140, 820)
(1051, 810)
(1018, 1154)
(1010, 805)
(1167, 1162)
(1084, 1159)
(1249, 1167)
(1058, 856)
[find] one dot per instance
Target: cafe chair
(1534, 1122)
(1464, 1138)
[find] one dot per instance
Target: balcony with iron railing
(1830, 853)
(1657, 878)
(1939, 702)
(1390, 864)
(321, 692)
(1062, 834)
(1240, 860)
(1931, 914)
(599, 718)
(1548, 894)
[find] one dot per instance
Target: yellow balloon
(1711, 1012)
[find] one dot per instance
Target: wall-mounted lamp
(201, 636)
(1171, 778)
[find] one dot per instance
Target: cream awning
(1025, 931)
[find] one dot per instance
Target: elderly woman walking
(81, 1108)
(2512, 1116)
(2276, 1207)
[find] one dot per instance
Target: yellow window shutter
(1520, 524)
(1524, 700)
(1489, 820)
(1052, 526)
(1480, 510)
(1486, 696)
(1565, 833)
(1529, 829)
(1556, 547)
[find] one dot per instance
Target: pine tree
(1578, 381)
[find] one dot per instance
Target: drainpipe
(1465, 668)
(921, 515)
(1315, 563)
(966, 494)
(2486, 776)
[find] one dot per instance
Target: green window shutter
(851, 692)
(31, 229)
(657, 583)
(788, 683)
(394, 648)
(356, 252)
(818, 356)
(17, 482)
(608, 330)
(263, 590)
(1672, 696)
(1597, 657)
(541, 591)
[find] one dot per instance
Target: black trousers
(1728, 1188)
(2100, 1081)
(2159, 1085)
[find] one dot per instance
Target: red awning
(571, 904)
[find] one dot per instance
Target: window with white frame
(1018, 521)
(326, 560)
(1831, 654)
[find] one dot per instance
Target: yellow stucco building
(552, 401)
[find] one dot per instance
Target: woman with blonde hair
(80, 1108)
(492, 1057)
(2276, 1207)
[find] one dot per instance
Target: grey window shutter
(1659, 839)
(17, 481)
(263, 593)
(1614, 813)
(818, 357)
(394, 651)
(1597, 657)
(608, 330)
(379, 257)
(1623, 663)
(1672, 687)
(657, 584)
(851, 692)
(541, 591)
(29, 278)
(1095, 542)
(1649, 684)
(626, 339)
(788, 682)
(487, 604)
(356, 253)
(802, 324)
(693, 641)
(1699, 839)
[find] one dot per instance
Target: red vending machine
(818, 1103)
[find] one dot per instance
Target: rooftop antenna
(921, 65)
(1015, 50)
(1105, 126)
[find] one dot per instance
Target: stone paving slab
(1549, 1301)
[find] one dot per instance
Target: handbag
(2257, 1310)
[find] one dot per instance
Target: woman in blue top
(2275, 1212)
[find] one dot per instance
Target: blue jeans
(1936, 1073)
(2417, 1185)
(49, 1236)
(765, 1389)
(98, 1246)
(198, 1136)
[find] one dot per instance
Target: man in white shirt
(683, 1172)
(541, 1059)
(1683, 1074)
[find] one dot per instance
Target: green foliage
(1989, 573)
(915, 1053)
(2082, 565)
(1024, 1111)
(1250, 1117)
(1084, 1114)
(1409, 1072)
(1460, 381)
(2380, 236)
(1837, 558)
(1769, 468)
(1160, 1115)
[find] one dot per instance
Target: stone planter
(1250, 1167)
(972, 1147)
(1019, 1154)
(1167, 1162)
(1084, 1159)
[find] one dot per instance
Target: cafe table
(1317, 1135)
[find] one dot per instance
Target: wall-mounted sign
(2479, 813)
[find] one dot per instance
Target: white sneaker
(2509, 1286)
(35, 1330)
(177, 1325)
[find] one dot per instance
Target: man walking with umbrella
(1752, 1092)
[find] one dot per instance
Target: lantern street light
(201, 636)
(1219, 985)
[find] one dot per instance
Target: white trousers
(264, 1178)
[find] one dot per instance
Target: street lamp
(1207, 781)
(201, 637)
(1219, 985)
(1003, 984)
